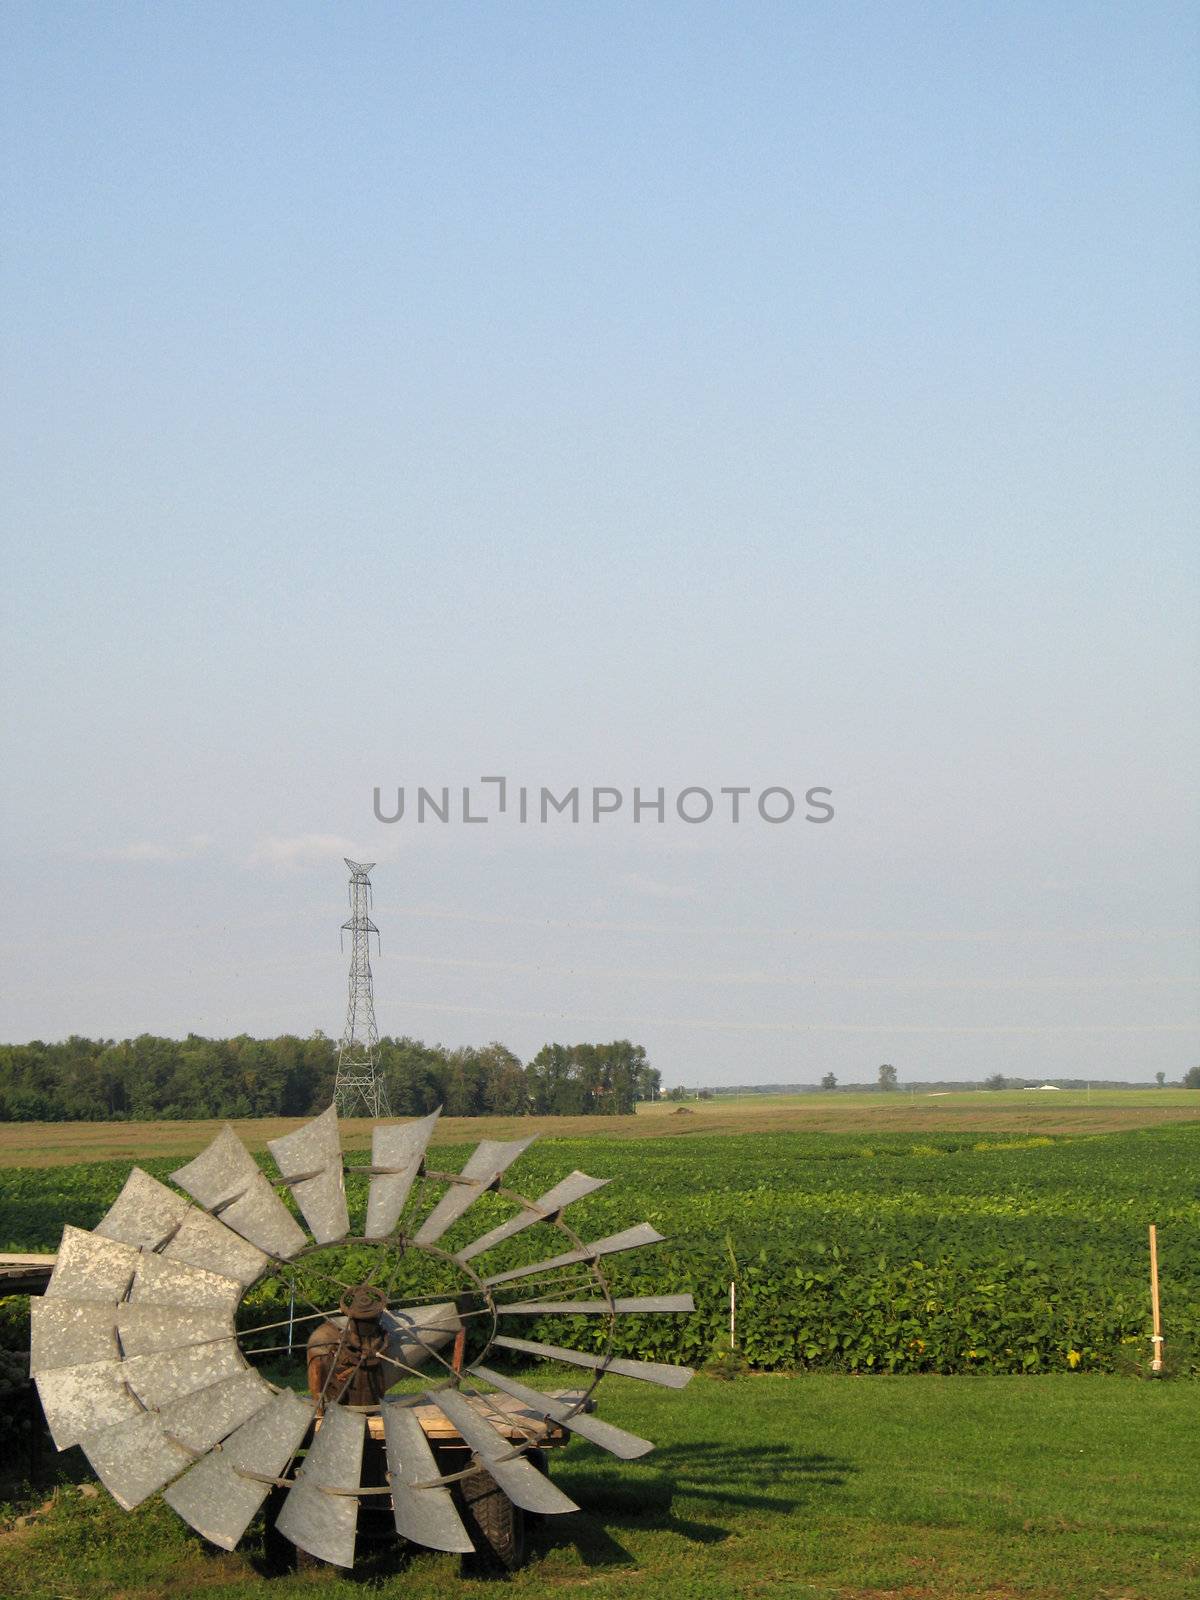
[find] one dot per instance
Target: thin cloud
(311, 849)
(153, 851)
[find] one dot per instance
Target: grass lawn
(838, 1488)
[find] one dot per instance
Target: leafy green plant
(1023, 1256)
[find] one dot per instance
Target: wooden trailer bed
(507, 1415)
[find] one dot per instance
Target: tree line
(174, 1079)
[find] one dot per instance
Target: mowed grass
(1068, 1111)
(819, 1486)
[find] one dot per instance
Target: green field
(981, 1112)
(878, 1251)
(948, 1326)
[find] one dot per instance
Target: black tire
(496, 1526)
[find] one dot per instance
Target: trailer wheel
(496, 1526)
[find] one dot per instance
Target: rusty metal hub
(365, 1303)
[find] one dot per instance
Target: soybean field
(855, 1253)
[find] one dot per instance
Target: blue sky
(659, 395)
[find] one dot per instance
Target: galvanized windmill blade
(471, 1404)
(138, 1356)
(397, 1154)
(134, 1347)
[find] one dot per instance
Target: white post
(291, 1314)
(732, 1315)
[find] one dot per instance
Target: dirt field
(40, 1144)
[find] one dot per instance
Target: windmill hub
(365, 1303)
(349, 1364)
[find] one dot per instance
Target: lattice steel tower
(359, 1089)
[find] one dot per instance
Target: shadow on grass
(768, 1478)
(688, 1490)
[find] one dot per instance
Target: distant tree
(887, 1076)
(1191, 1078)
(505, 1091)
(412, 1071)
(549, 1075)
(628, 1078)
(677, 1093)
(1160, 1078)
(996, 1081)
(312, 1087)
(829, 1081)
(151, 1077)
(462, 1084)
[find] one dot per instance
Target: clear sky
(659, 395)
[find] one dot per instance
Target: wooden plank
(25, 1274)
(525, 1426)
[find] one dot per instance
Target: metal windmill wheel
(146, 1347)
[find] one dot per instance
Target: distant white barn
(1037, 1088)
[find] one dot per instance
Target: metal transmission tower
(359, 1089)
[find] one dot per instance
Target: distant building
(1038, 1087)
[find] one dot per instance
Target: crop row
(950, 1256)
